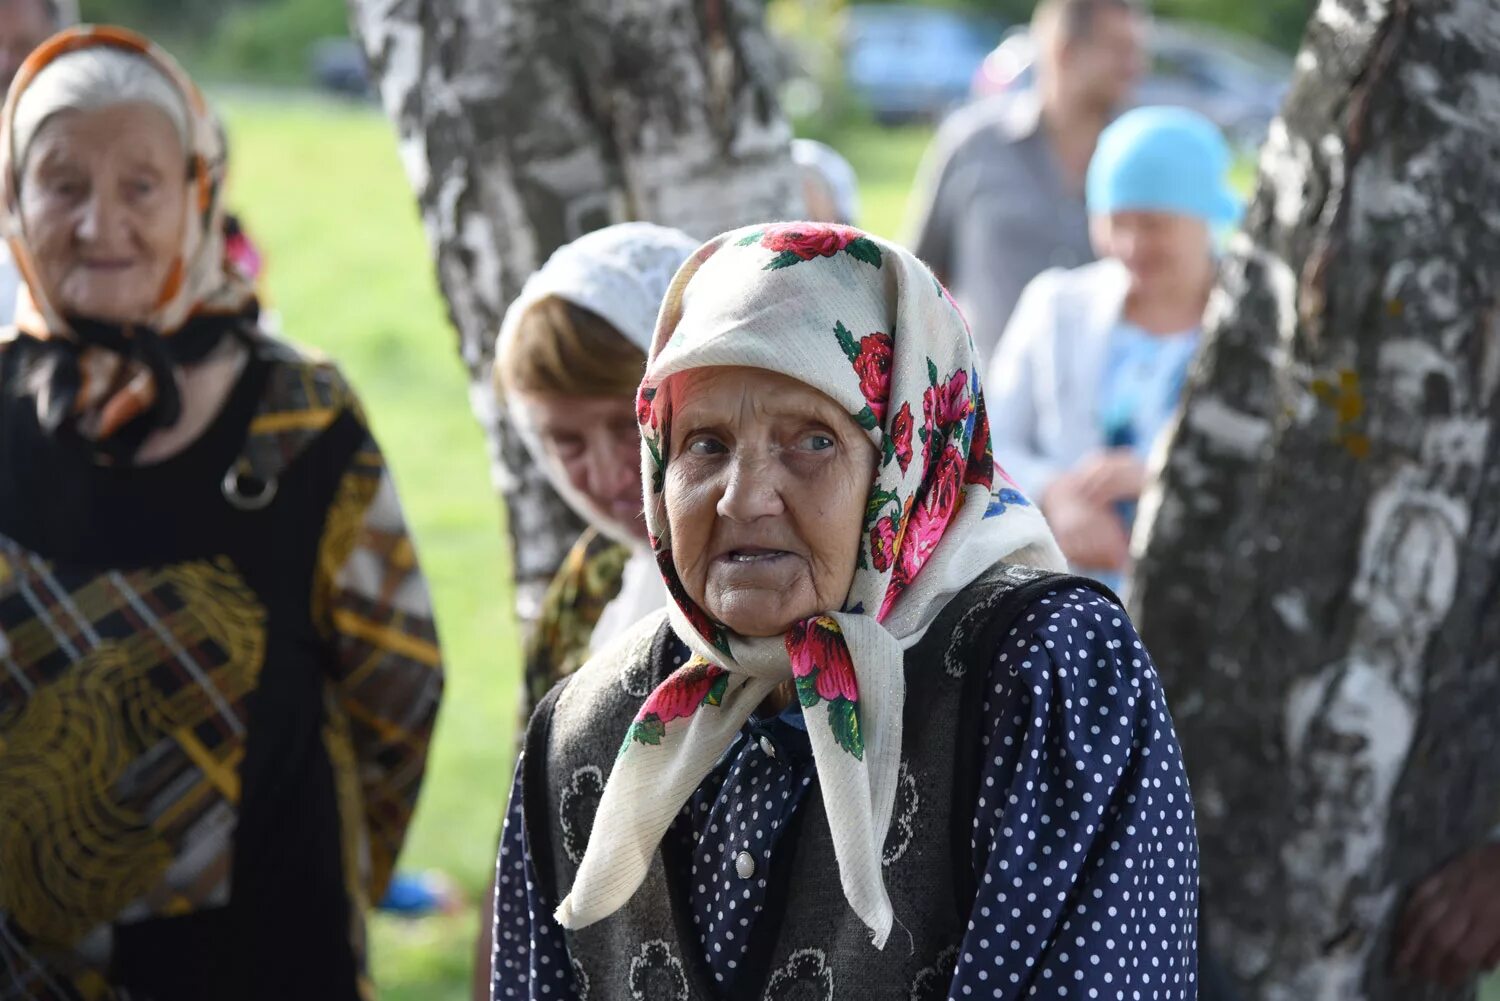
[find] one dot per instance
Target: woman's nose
(94, 221)
(606, 474)
(751, 491)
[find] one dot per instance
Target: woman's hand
(1113, 475)
(1089, 532)
(1080, 508)
(1450, 931)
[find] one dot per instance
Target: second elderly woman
(220, 669)
(875, 747)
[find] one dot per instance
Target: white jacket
(1042, 387)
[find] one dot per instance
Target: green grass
(321, 189)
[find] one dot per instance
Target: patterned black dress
(218, 678)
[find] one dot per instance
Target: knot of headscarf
(115, 382)
(865, 323)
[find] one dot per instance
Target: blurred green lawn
(322, 191)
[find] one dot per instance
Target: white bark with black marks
(1320, 580)
(525, 123)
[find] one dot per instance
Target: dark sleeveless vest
(807, 945)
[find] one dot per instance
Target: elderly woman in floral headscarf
(876, 746)
(220, 665)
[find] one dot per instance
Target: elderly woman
(220, 665)
(874, 747)
(571, 352)
(1092, 364)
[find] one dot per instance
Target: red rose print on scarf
(883, 543)
(808, 242)
(952, 399)
(981, 468)
(898, 442)
(695, 684)
(874, 367)
(871, 357)
(944, 403)
(944, 483)
(645, 411)
(925, 522)
(924, 530)
(795, 242)
(824, 672)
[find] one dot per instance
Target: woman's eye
(140, 188)
(705, 446)
(565, 446)
(817, 443)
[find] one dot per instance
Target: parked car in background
(338, 65)
(1237, 83)
(907, 63)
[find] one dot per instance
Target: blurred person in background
(829, 185)
(570, 356)
(1000, 193)
(1090, 369)
(24, 24)
(222, 668)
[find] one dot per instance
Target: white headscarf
(865, 323)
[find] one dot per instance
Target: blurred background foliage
(276, 41)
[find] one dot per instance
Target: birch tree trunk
(525, 123)
(1320, 581)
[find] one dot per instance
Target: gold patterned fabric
(238, 727)
(588, 580)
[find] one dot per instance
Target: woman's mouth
(754, 555)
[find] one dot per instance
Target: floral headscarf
(114, 376)
(867, 324)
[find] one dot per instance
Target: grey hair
(91, 79)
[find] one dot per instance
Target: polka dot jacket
(1083, 841)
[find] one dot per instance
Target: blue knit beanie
(1160, 159)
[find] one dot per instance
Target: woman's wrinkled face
(765, 497)
(598, 445)
(103, 200)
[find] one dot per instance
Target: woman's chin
(760, 613)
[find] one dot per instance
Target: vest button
(744, 865)
(767, 748)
